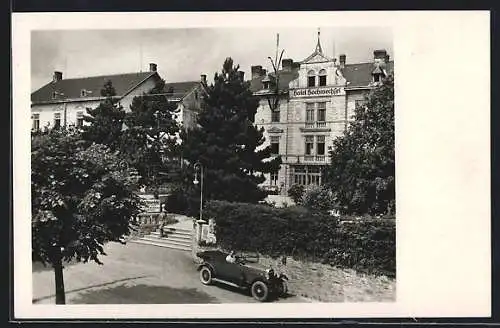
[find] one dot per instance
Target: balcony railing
(315, 125)
(314, 158)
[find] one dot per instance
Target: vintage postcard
(251, 165)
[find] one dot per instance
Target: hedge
(365, 245)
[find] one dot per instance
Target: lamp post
(199, 168)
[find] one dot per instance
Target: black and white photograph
(232, 165)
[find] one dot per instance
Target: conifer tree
(226, 141)
(149, 141)
(105, 120)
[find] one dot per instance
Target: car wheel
(260, 291)
(206, 276)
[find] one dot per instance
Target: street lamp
(199, 168)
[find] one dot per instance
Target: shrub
(319, 199)
(296, 192)
(366, 245)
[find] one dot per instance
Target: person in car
(231, 257)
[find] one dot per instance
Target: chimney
(256, 71)
(203, 78)
(57, 76)
(287, 64)
(241, 75)
(379, 55)
(342, 60)
(153, 67)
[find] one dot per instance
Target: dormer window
(311, 79)
(83, 93)
(376, 77)
(266, 82)
(322, 78)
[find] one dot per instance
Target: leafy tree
(81, 199)
(362, 167)
(106, 120)
(149, 139)
(227, 142)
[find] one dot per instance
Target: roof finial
(318, 45)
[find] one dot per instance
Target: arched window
(311, 79)
(322, 78)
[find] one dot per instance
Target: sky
(184, 54)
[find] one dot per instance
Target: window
(320, 145)
(275, 115)
(266, 84)
(311, 79)
(54, 95)
(36, 121)
(274, 178)
(57, 120)
(275, 145)
(79, 119)
(309, 112)
(307, 175)
(83, 93)
(376, 77)
(309, 145)
(322, 78)
(321, 111)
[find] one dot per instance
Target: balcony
(315, 127)
(306, 159)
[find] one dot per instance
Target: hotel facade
(317, 99)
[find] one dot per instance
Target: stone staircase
(176, 236)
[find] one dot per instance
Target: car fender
(208, 265)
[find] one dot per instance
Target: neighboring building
(317, 100)
(63, 102)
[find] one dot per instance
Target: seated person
(231, 258)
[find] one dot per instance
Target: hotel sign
(317, 92)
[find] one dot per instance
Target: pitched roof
(360, 75)
(285, 78)
(72, 88)
(180, 89)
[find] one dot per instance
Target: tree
(227, 143)
(81, 197)
(150, 136)
(361, 173)
(106, 120)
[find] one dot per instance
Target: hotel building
(317, 98)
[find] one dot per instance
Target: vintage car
(262, 283)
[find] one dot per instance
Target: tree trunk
(59, 280)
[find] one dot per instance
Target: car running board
(227, 283)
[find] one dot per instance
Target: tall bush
(366, 245)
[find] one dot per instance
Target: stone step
(167, 241)
(178, 238)
(168, 234)
(160, 244)
(181, 231)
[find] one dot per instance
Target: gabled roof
(72, 88)
(317, 56)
